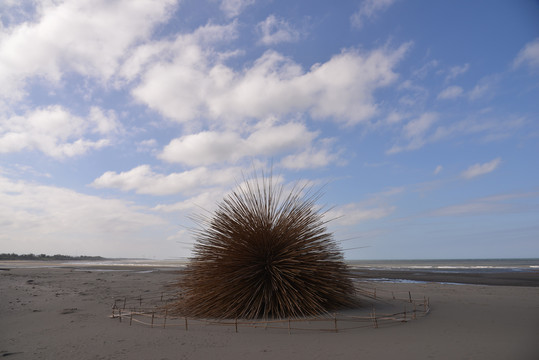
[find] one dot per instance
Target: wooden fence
(152, 311)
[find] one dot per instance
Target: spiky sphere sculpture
(265, 254)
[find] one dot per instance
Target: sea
(438, 266)
(450, 265)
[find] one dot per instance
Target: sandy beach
(65, 313)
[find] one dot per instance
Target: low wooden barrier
(152, 311)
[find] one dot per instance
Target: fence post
(288, 326)
(131, 317)
(236, 324)
(410, 296)
(186, 327)
(335, 322)
(153, 315)
(165, 321)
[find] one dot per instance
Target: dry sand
(64, 313)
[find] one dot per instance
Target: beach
(64, 312)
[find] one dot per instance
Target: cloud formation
(56, 132)
(481, 169)
(369, 10)
(274, 31)
(233, 8)
(529, 55)
(66, 220)
(189, 86)
(211, 147)
(415, 133)
(451, 92)
(83, 36)
(143, 180)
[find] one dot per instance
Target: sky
(121, 119)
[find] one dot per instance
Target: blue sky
(120, 119)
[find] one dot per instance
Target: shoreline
(493, 277)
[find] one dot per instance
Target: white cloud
(369, 9)
(481, 169)
(490, 128)
(529, 55)
(438, 169)
(424, 70)
(273, 31)
(418, 127)
(46, 219)
(478, 91)
(206, 200)
(352, 214)
(456, 71)
(233, 8)
(56, 132)
(143, 180)
(415, 133)
(146, 145)
(484, 87)
(85, 36)
(473, 208)
(395, 117)
(211, 147)
(311, 158)
(504, 203)
(192, 86)
(450, 92)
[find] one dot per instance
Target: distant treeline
(47, 257)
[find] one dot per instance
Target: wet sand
(496, 278)
(64, 313)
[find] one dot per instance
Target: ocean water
(440, 266)
(450, 266)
